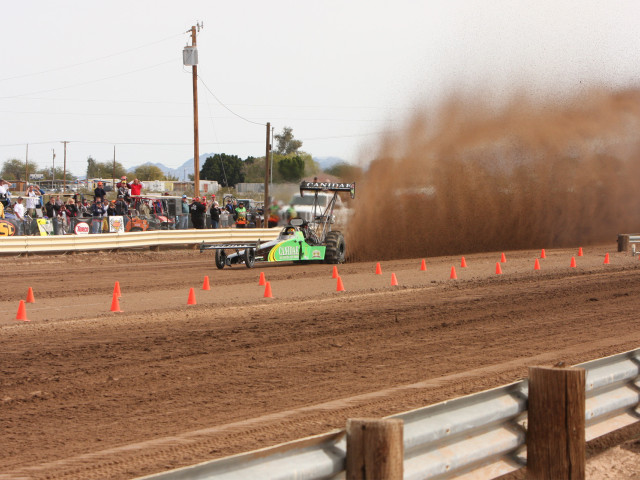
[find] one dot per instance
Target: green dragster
(300, 241)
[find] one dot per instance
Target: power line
(240, 142)
(220, 102)
(92, 81)
(90, 61)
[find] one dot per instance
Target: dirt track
(90, 394)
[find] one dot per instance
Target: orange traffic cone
(335, 272)
(116, 289)
(542, 254)
(536, 266)
(423, 266)
(498, 269)
(339, 286)
(503, 259)
(22, 312)
(453, 273)
(192, 297)
(262, 280)
(580, 252)
(573, 262)
(394, 280)
(115, 303)
(378, 269)
(606, 259)
(463, 263)
(205, 284)
(30, 297)
(267, 290)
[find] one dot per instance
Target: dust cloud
(471, 176)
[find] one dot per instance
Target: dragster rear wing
(328, 187)
(229, 246)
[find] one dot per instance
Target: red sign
(82, 228)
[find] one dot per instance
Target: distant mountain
(182, 172)
(186, 169)
(328, 162)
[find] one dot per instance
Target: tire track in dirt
(251, 374)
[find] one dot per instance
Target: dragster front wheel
(221, 259)
(249, 257)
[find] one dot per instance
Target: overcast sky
(105, 73)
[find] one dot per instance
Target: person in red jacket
(136, 187)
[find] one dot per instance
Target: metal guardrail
(625, 239)
(476, 436)
(108, 241)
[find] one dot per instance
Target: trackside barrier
(478, 436)
(624, 240)
(110, 241)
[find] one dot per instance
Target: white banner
(116, 224)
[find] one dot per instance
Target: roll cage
(320, 224)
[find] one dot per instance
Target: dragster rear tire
(335, 251)
(221, 259)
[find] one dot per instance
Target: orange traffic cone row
(192, 297)
(267, 290)
(262, 282)
(498, 269)
(22, 312)
(503, 259)
(453, 273)
(116, 289)
(378, 269)
(573, 262)
(536, 266)
(606, 259)
(115, 303)
(423, 266)
(339, 285)
(580, 252)
(30, 297)
(394, 280)
(205, 284)
(543, 254)
(335, 272)
(463, 263)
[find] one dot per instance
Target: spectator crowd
(158, 213)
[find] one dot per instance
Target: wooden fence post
(623, 243)
(556, 425)
(375, 449)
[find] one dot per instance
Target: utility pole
(190, 57)
(26, 166)
(64, 169)
(53, 168)
(113, 173)
(267, 164)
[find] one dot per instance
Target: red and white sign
(82, 228)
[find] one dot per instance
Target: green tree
(106, 169)
(345, 171)
(254, 170)
(227, 170)
(148, 173)
(291, 168)
(286, 143)
(46, 172)
(13, 169)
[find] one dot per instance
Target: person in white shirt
(18, 211)
(32, 201)
(4, 190)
